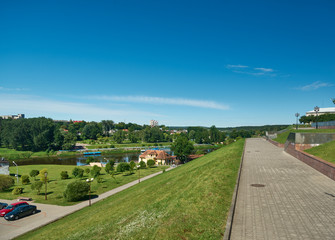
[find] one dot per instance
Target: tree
(25, 179)
(122, 167)
(42, 175)
(76, 191)
(37, 186)
(150, 163)
(95, 172)
(6, 182)
(109, 166)
(142, 164)
(34, 173)
(64, 175)
(91, 131)
(119, 136)
(182, 147)
(78, 172)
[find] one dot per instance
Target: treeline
(320, 118)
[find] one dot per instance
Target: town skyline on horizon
(183, 63)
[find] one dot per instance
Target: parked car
(3, 205)
(19, 212)
(11, 207)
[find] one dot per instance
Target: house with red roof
(159, 156)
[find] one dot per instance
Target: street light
(89, 180)
(17, 172)
(45, 178)
(139, 175)
(297, 115)
(316, 109)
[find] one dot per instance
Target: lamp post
(297, 115)
(316, 109)
(139, 174)
(17, 172)
(89, 180)
(45, 178)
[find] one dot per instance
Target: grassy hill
(324, 151)
(281, 138)
(189, 202)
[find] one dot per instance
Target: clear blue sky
(223, 63)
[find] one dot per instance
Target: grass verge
(189, 202)
(324, 151)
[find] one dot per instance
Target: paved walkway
(51, 213)
(297, 202)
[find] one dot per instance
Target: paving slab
(290, 200)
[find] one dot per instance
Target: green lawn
(11, 154)
(324, 151)
(189, 202)
(281, 138)
(56, 186)
(125, 145)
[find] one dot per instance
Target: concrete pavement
(280, 197)
(51, 213)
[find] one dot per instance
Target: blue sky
(223, 63)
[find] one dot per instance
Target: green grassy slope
(324, 151)
(189, 202)
(281, 138)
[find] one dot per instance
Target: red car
(11, 207)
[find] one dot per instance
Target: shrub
(17, 190)
(150, 163)
(87, 170)
(142, 164)
(78, 172)
(89, 160)
(64, 175)
(112, 146)
(76, 191)
(100, 179)
(95, 171)
(34, 173)
(109, 166)
(6, 182)
(25, 179)
(37, 186)
(122, 167)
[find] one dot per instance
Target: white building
(4, 166)
(330, 110)
(18, 116)
(153, 123)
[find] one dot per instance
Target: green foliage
(319, 118)
(182, 147)
(37, 186)
(6, 182)
(109, 166)
(25, 179)
(100, 179)
(91, 131)
(95, 172)
(142, 164)
(132, 165)
(33, 173)
(89, 160)
(64, 175)
(17, 190)
(87, 171)
(42, 175)
(122, 167)
(78, 172)
(76, 191)
(150, 163)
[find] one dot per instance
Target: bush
(150, 163)
(100, 179)
(6, 182)
(122, 167)
(78, 172)
(87, 170)
(17, 191)
(37, 186)
(25, 179)
(112, 146)
(34, 173)
(76, 191)
(142, 164)
(95, 171)
(89, 160)
(109, 166)
(64, 175)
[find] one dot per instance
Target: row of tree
(319, 118)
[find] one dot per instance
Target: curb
(230, 219)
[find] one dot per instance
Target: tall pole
(89, 192)
(316, 109)
(17, 172)
(45, 178)
(139, 175)
(297, 115)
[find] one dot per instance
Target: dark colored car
(20, 212)
(11, 207)
(3, 205)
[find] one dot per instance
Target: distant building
(18, 116)
(159, 156)
(4, 166)
(153, 123)
(330, 110)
